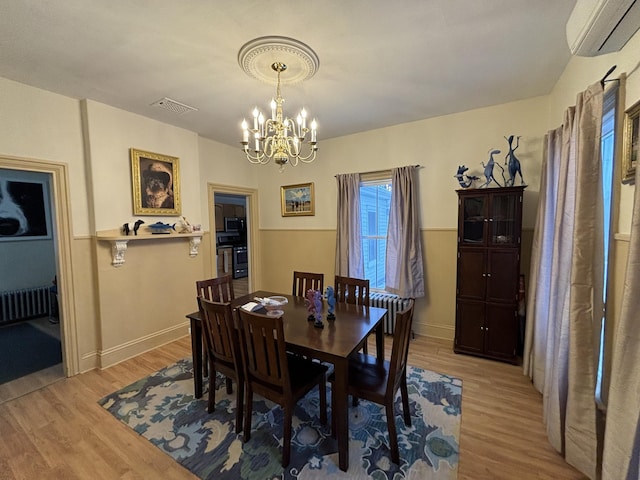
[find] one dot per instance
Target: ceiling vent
(596, 27)
(173, 106)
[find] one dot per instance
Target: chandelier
(283, 139)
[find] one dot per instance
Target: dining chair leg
(404, 393)
(229, 386)
(322, 390)
(286, 444)
(393, 434)
(239, 406)
(247, 415)
(211, 404)
(333, 414)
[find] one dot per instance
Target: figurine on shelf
(310, 304)
(185, 226)
(513, 164)
(160, 227)
(465, 180)
(317, 302)
(331, 303)
(488, 169)
(127, 228)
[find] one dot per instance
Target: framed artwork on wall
(297, 200)
(25, 209)
(630, 143)
(155, 180)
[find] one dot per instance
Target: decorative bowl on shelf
(274, 305)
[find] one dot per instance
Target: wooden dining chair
(276, 375)
(378, 382)
(223, 348)
(219, 289)
(354, 291)
(304, 281)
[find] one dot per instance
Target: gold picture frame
(155, 180)
(630, 143)
(297, 200)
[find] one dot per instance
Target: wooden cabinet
(223, 210)
(488, 272)
(219, 214)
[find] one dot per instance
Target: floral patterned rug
(162, 409)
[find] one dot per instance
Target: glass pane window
(375, 203)
(607, 155)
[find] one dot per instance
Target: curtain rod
(378, 171)
(604, 79)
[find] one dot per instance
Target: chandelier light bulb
(245, 131)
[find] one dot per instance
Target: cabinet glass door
(474, 214)
(503, 219)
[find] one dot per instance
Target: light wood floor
(61, 432)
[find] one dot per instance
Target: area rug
(24, 349)
(163, 410)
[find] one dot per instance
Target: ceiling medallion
(257, 56)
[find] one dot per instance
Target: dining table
(334, 343)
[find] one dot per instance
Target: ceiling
(382, 63)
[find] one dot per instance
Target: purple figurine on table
(310, 304)
(317, 302)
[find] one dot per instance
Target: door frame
(253, 228)
(63, 236)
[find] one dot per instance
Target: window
(607, 154)
(375, 202)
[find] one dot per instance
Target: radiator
(393, 304)
(16, 305)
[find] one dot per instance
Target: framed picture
(630, 143)
(25, 209)
(155, 182)
(297, 200)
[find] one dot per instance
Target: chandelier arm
(268, 147)
(261, 159)
(309, 158)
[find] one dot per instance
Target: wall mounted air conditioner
(596, 27)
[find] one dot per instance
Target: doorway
(61, 234)
(234, 231)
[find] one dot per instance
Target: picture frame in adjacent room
(630, 143)
(26, 209)
(155, 180)
(297, 200)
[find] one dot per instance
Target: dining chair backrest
(352, 290)
(219, 289)
(221, 337)
(304, 281)
(400, 347)
(265, 354)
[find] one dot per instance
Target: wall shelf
(119, 242)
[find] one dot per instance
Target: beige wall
(438, 144)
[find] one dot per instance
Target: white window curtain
(404, 273)
(621, 457)
(349, 262)
(565, 296)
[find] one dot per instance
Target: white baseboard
(111, 356)
(444, 332)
